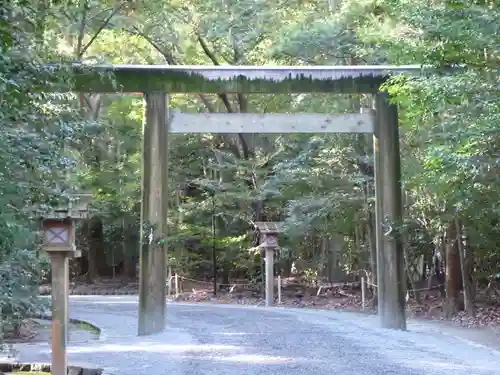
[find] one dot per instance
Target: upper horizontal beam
(270, 123)
(234, 79)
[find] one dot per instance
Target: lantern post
(59, 228)
(268, 243)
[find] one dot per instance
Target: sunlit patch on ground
(146, 347)
(254, 359)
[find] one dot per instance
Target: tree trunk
(226, 269)
(96, 255)
(439, 265)
(87, 261)
(322, 265)
(466, 272)
(129, 248)
(453, 281)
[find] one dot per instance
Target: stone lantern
(59, 228)
(268, 243)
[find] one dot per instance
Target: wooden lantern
(268, 243)
(59, 226)
(268, 234)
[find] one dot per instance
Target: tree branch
(207, 50)
(95, 16)
(166, 55)
(243, 104)
(208, 104)
(81, 30)
(101, 27)
(215, 61)
(239, 56)
(171, 61)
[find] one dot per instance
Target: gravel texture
(203, 339)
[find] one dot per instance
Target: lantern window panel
(57, 235)
(269, 240)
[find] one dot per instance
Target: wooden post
(279, 289)
(169, 282)
(153, 249)
(269, 276)
(363, 293)
(390, 257)
(60, 283)
(68, 325)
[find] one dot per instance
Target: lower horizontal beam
(271, 123)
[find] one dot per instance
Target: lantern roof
(76, 208)
(269, 227)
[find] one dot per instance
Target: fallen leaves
(485, 316)
(100, 287)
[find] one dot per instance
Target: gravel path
(235, 340)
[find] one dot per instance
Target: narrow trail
(203, 339)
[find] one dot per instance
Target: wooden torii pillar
(391, 276)
(154, 210)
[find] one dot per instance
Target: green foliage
(19, 276)
(34, 127)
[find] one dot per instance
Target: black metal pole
(214, 255)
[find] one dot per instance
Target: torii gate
(157, 81)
